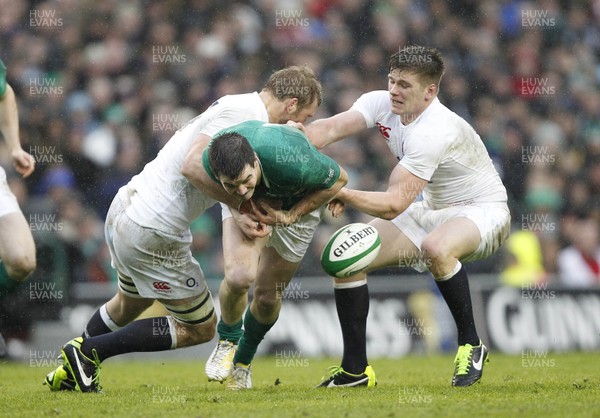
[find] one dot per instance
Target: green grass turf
(563, 385)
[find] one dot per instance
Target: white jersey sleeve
(373, 105)
(160, 197)
(422, 161)
(229, 111)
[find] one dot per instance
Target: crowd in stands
(102, 85)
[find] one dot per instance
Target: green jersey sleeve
(206, 164)
(2, 79)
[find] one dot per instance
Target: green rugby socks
(253, 335)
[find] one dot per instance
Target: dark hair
(229, 153)
(426, 62)
(295, 81)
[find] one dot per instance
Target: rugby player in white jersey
(148, 235)
(17, 249)
(462, 217)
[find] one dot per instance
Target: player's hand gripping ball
(350, 250)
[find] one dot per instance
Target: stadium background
(101, 86)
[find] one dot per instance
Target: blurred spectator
(523, 254)
(579, 263)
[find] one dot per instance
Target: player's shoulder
(437, 118)
(245, 128)
(236, 101)
(375, 96)
(284, 133)
(374, 106)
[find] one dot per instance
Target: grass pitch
(562, 385)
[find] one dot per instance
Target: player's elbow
(319, 135)
(343, 179)
(388, 216)
(188, 168)
(319, 142)
(393, 211)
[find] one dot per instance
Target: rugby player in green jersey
(257, 160)
(17, 249)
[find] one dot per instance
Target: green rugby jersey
(2, 79)
(291, 166)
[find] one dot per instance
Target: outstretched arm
(9, 126)
(323, 132)
(403, 189)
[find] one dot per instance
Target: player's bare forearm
(403, 189)
(319, 133)
(382, 205)
(323, 132)
(194, 171)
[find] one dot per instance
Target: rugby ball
(350, 250)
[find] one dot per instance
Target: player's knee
(21, 266)
(123, 309)
(239, 279)
(434, 250)
(197, 334)
(266, 302)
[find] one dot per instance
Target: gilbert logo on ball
(350, 250)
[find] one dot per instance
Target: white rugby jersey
(161, 197)
(440, 147)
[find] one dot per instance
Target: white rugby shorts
(151, 263)
(291, 242)
(493, 222)
(8, 201)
